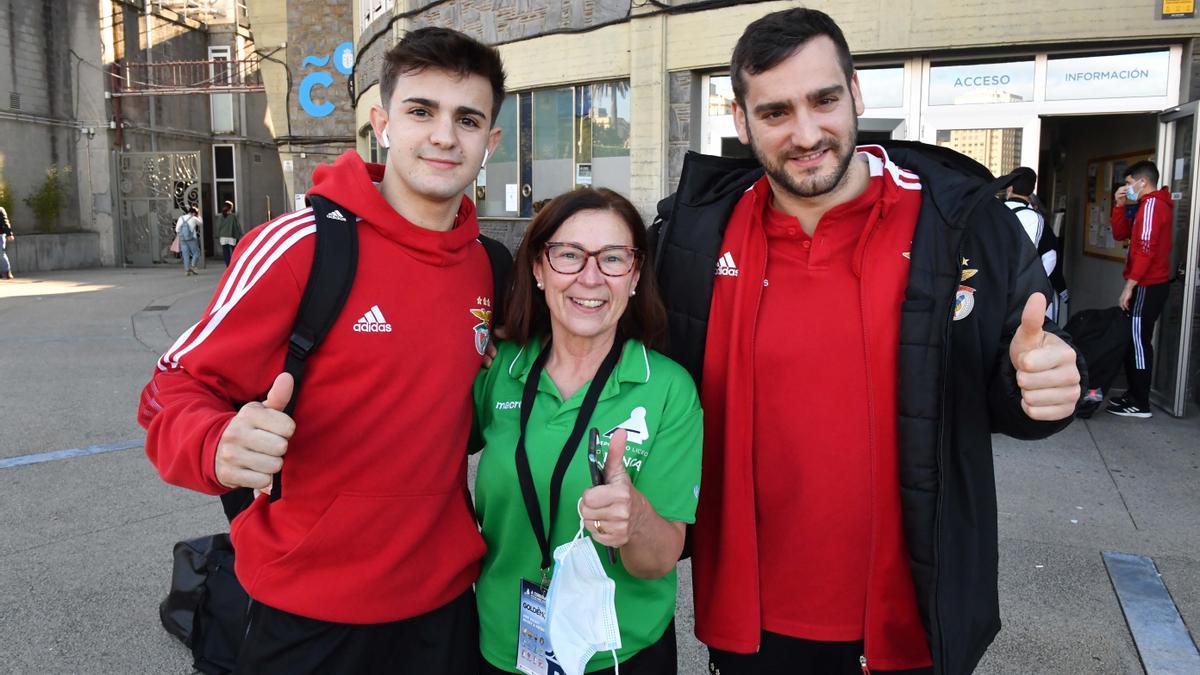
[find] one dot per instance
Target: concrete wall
(38, 82)
(44, 252)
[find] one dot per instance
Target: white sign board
(512, 200)
(1112, 76)
(981, 83)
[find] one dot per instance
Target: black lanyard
(524, 474)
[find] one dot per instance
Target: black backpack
(206, 607)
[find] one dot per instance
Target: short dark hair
(1144, 169)
(447, 50)
(1026, 179)
(526, 313)
(776, 36)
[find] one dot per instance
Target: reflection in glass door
(1175, 353)
(997, 149)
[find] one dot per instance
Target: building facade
(611, 93)
(144, 108)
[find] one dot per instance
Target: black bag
(1102, 337)
(206, 608)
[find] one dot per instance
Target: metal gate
(156, 188)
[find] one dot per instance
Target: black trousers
(1145, 308)
(659, 658)
(784, 655)
(445, 640)
(227, 250)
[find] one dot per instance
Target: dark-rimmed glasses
(613, 261)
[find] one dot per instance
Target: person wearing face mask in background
(582, 321)
(1147, 275)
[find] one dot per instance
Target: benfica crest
(482, 330)
(964, 302)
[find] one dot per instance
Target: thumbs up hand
(254, 442)
(613, 512)
(1046, 369)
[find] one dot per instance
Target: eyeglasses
(613, 261)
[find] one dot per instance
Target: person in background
(229, 230)
(1147, 276)
(187, 228)
(582, 319)
(6, 235)
(1020, 199)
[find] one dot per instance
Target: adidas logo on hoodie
(373, 322)
(726, 266)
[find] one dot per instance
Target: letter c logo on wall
(343, 62)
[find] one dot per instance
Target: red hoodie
(374, 524)
(1149, 232)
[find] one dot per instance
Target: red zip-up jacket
(1149, 260)
(374, 524)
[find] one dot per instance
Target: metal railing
(187, 77)
(207, 11)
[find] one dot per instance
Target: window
(574, 137)
(224, 176)
(553, 125)
(503, 171)
(375, 153)
(997, 149)
(220, 74)
(718, 134)
(981, 83)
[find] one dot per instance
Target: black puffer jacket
(956, 382)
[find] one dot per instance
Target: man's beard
(811, 185)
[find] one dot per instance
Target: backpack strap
(335, 260)
(502, 263)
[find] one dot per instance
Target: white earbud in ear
(485, 158)
(383, 138)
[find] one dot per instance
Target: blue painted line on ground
(69, 453)
(1162, 639)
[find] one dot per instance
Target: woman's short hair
(527, 315)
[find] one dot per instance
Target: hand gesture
(1120, 198)
(252, 447)
(1046, 370)
(609, 510)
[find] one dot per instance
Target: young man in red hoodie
(860, 321)
(1147, 273)
(365, 563)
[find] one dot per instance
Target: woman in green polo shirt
(582, 321)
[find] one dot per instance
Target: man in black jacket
(859, 321)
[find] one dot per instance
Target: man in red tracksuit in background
(365, 562)
(1147, 273)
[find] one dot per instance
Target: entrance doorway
(1081, 163)
(1077, 157)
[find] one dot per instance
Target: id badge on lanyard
(534, 655)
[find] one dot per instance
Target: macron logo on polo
(337, 215)
(725, 266)
(372, 322)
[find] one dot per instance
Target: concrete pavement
(85, 543)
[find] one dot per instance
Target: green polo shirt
(650, 396)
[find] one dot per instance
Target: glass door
(1176, 384)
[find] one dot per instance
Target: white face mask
(384, 140)
(581, 606)
(485, 159)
